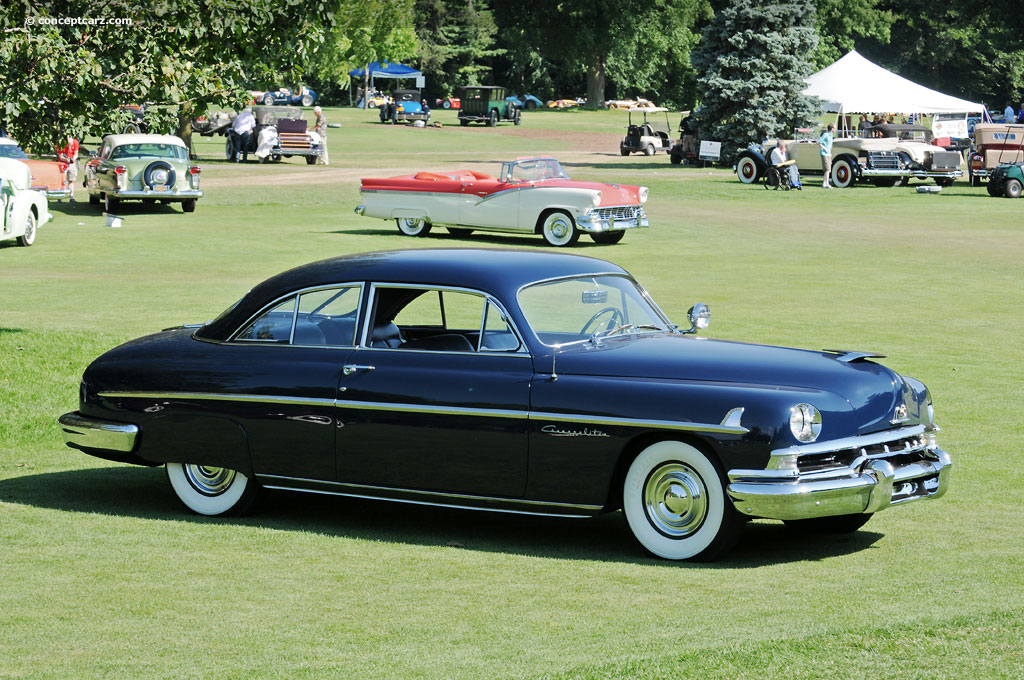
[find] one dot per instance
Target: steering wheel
(613, 320)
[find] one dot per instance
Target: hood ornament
(900, 415)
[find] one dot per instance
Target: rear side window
(321, 317)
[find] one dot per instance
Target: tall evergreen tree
(752, 61)
(456, 42)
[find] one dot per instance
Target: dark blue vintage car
(502, 380)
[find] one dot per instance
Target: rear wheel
(608, 237)
(493, 120)
(1012, 188)
(413, 226)
(188, 205)
(459, 233)
(307, 100)
(623, 151)
(994, 189)
(676, 159)
(212, 491)
(842, 174)
(559, 229)
(649, 150)
(29, 237)
(268, 99)
(747, 170)
(675, 503)
(94, 199)
(839, 524)
(463, 122)
(446, 104)
(310, 160)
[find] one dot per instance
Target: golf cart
(649, 136)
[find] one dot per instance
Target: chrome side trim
(437, 410)
(363, 491)
(92, 433)
(214, 396)
(638, 422)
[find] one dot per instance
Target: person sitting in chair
(778, 159)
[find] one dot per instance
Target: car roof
(498, 271)
(118, 140)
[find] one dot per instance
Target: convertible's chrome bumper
(83, 432)
(919, 174)
(883, 469)
(612, 219)
(149, 193)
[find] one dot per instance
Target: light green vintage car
(149, 168)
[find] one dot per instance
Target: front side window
(438, 320)
(321, 317)
(579, 308)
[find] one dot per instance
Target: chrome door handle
(349, 369)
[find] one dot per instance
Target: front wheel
(676, 159)
(1012, 188)
(307, 100)
(559, 229)
(29, 237)
(413, 226)
(838, 524)
(310, 160)
(446, 104)
(842, 174)
(993, 189)
(623, 151)
(649, 150)
(517, 117)
(608, 237)
(675, 503)
(211, 490)
(493, 120)
(747, 170)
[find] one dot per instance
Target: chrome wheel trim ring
(557, 229)
(675, 500)
(209, 481)
(30, 229)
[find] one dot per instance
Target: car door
(489, 203)
(294, 352)
(436, 396)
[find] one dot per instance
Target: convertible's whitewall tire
(559, 229)
(29, 237)
(746, 170)
(212, 491)
(675, 503)
(842, 174)
(413, 226)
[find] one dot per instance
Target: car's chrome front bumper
(83, 432)
(918, 174)
(612, 219)
(875, 479)
(149, 193)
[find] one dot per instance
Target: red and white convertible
(529, 196)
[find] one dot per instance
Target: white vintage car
(23, 210)
(529, 196)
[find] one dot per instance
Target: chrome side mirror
(700, 317)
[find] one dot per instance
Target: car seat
(386, 335)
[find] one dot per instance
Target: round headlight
(597, 199)
(643, 194)
(805, 422)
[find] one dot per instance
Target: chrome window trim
(363, 340)
(234, 339)
(433, 494)
(626, 275)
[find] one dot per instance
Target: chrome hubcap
(559, 229)
(411, 225)
(209, 481)
(675, 500)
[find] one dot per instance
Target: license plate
(160, 188)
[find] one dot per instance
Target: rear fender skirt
(193, 438)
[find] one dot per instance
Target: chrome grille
(884, 160)
(898, 452)
(619, 212)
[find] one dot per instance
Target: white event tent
(855, 85)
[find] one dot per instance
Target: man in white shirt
(778, 156)
(241, 130)
(1009, 115)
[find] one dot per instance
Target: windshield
(588, 307)
(172, 151)
(532, 170)
(12, 151)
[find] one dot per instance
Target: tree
(183, 57)
(752, 62)
(456, 42)
(843, 23)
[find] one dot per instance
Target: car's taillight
(120, 170)
(121, 174)
(194, 173)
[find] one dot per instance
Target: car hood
(611, 194)
(870, 389)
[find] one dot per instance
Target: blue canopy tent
(384, 70)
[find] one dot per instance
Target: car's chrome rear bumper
(54, 194)
(869, 484)
(165, 195)
(83, 432)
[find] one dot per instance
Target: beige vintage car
(899, 153)
(994, 145)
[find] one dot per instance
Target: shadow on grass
(11, 330)
(83, 208)
(144, 493)
(477, 238)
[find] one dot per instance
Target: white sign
(953, 125)
(710, 151)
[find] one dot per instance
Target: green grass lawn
(103, 574)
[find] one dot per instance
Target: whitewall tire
(559, 229)
(29, 237)
(843, 174)
(746, 170)
(212, 491)
(413, 226)
(675, 503)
